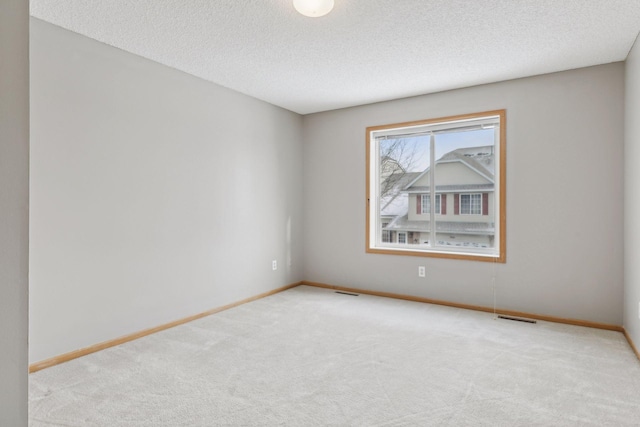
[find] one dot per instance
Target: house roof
(479, 159)
(395, 202)
(451, 188)
(402, 223)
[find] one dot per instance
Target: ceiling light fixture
(313, 8)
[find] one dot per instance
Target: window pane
(465, 204)
(465, 169)
(475, 204)
(426, 203)
(401, 161)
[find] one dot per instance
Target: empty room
(224, 213)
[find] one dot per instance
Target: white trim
(427, 170)
(476, 123)
(475, 190)
(491, 180)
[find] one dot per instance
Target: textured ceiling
(363, 51)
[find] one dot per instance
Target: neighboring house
(464, 208)
(394, 204)
(393, 201)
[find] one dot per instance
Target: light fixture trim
(313, 8)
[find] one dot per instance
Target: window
(425, 203)
(470, 204)
(437, 187)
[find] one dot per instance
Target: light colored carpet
(312, 357)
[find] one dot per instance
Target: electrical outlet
(639, 310)
(274, 265)
(422, 271)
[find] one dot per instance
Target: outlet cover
(274, 265)
(422, 271)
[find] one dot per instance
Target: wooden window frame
(500, 192)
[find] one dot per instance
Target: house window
(425, 203)
(439, 186)
(470, 204)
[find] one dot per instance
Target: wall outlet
(274, 265)
(639, 310)
(422, 272)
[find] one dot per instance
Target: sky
(418, 147)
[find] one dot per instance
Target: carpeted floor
(312, 357)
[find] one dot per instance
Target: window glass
(464, 157)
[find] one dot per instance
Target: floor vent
(517, 319)
(347, 293)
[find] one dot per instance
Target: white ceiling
(364, 51)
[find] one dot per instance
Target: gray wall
(632, 196)
(14, 210)
(564, 198)
(155, 195)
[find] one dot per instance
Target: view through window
(463, 214)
